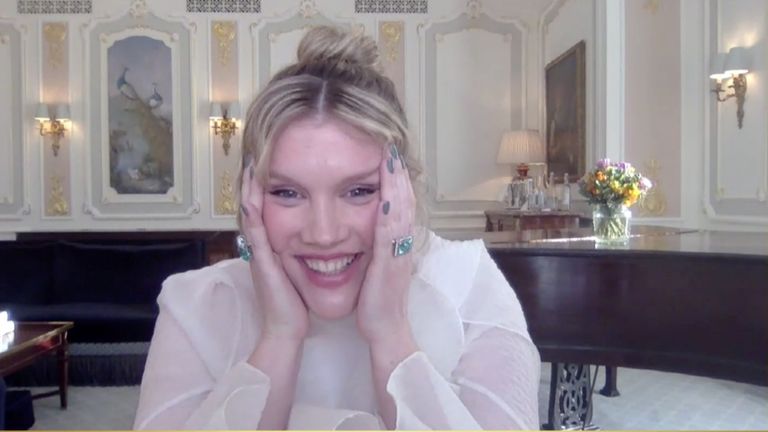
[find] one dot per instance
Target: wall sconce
(224, 122)
(53, 125)
(735, 67)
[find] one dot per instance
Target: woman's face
(320, 208)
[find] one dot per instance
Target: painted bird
(125, 87)
(155, 100)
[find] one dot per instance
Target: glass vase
(611, 224)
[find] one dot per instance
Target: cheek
(280, 223)
(366, 220)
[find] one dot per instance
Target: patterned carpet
(649, 400)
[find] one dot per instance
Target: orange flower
(600, 176)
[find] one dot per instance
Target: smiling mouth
(330, 267)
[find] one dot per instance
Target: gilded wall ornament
(652, 6)
(55, 34)
(227, 204)
(474, 9)
(138, 8)
(391, 33)
(654, 202)
(224, 32)
(57, 203)
(307, 9)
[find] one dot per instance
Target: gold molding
(55, 34)
(652, 6)
(57, 203)
(654, 202)
(391, 32)
(227, 204)
(224, 31)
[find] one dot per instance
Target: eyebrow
(355, 177)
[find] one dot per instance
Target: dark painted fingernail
(244, 210)
(252, 172)
(395, 153)
(385, 209)
(390, 166)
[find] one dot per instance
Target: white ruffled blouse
(477, 367)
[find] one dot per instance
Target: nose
(325, 226)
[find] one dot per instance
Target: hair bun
(335, 47)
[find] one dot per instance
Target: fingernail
(385, 209)
(395, 153)
(244, 210)
(252, 172)
(390, 166)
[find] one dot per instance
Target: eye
(286, 194)
(362, 191)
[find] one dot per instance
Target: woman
(330, 320)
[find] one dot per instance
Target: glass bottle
(565, 194)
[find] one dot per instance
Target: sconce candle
(735, 67)
(53, 125)
(224, 122)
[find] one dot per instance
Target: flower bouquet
(611, 188)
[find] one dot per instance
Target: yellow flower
(615, 186)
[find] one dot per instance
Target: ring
(402, 246)
(243, 248)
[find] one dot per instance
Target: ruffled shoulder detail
(198, 299)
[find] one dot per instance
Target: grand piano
(686, 301)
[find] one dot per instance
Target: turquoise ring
(402, 246)
(243, 248)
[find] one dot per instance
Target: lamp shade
(717, 67)
(521, 146)
(41, 113)
(737, 61)
(62, 112)
(215, 111)
(233, 111)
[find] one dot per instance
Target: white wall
(678, 37)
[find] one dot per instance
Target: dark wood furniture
(674, 300)
(517, 220)
(33, 340)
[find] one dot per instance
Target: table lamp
(520, 148)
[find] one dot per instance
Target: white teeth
(330, 267)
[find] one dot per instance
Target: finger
(251, 202)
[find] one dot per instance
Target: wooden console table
(33, 340)
(517, 220)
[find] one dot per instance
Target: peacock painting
(141, 158)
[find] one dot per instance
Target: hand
(382, 309)
(284, 315)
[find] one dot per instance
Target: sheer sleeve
(495, 386)
(494, 383)
(178, 392)
(196, 382)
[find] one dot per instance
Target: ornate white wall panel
(474, 89)
(736, 160)
(11, 134)
(180, 201)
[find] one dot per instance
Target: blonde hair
(335, 76)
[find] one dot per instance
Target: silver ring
(402, 246)
(243, 248)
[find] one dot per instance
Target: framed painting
(565, 90)
(141, 130)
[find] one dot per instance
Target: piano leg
(569, 400)
(609, 389)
